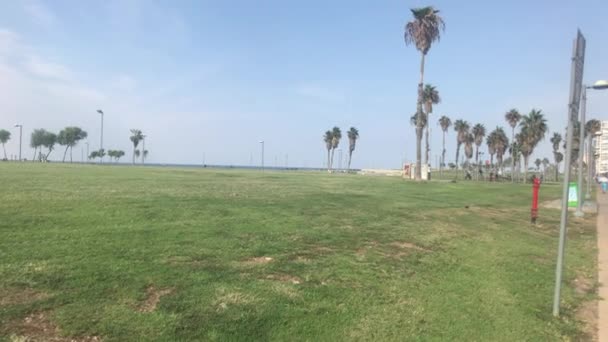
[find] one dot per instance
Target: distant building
(601, 149)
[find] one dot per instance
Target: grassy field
(152, 254)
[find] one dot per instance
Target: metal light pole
(579, 207)
(262, 143)
(20, 135)
(87, 143)
(591, 165)
(101, 142)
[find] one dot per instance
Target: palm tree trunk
(350, 157)
(4, 148)
(133, 154)
(427, 149)
(477, 162)
(332, 159)
(512, 159)
(34, 157)
(556, 171)
(65, 153)
(526, 169)
(457, 154)
(328, 162)
(418, 175)
(442, 157)
(71, 154)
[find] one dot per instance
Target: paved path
(602, 245)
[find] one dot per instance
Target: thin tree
(119, 154)
(513, 116)
(336, 135)
(353, 136)
(462, 130)
(445, 124)
(538, 162)
(36, 140)
(422, 31)
(501, 143)
(136, 137)
(327, 138)
(545, 163)
(5, 136)
(49, 140)
(479, 132)
(144, 154)
(556, 139)
(430, 96)
(491, 142)
(69, 137)
(468, 149)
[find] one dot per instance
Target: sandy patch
(153, 296)
(38, 327)
(16, 296)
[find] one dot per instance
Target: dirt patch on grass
(583, 285)
(226, 299)
(408, 245)
(285, 278)
(153, 296)
(258, 261)
(18, 296)
(587, 315)
(38, 327)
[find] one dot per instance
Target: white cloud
(41, 68)
(39, 13)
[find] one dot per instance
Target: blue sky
(215, 77)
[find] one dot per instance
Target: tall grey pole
(20, 138)
(87, 143)
(590, 166)
(101, 141)
(578, 58)
(262, 142)
(143, 148)
(581, 154)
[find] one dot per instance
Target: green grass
(353, 257)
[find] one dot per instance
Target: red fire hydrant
(535, 189)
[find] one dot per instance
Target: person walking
(603, 180)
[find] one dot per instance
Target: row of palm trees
(332, 137)
(422, 31)
(70, 137)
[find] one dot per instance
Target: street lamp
(599, 85)
(101, 142)
(262, 143)
(87, 143)
(20, 135)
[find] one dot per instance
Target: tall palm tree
(468, 148)
(538, 162)
(327, 138)
(513, 117)
(479, 132)
(336, 135)
(353, 135)
(445, 124)
(430, 96)
(556, 139)
(491, 142)
(462, 129)
(501, 143)
(4, 138)
(545, 163)
(136, 137)
(422, 31)
(533, 129)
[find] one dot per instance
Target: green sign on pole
(572, 195)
